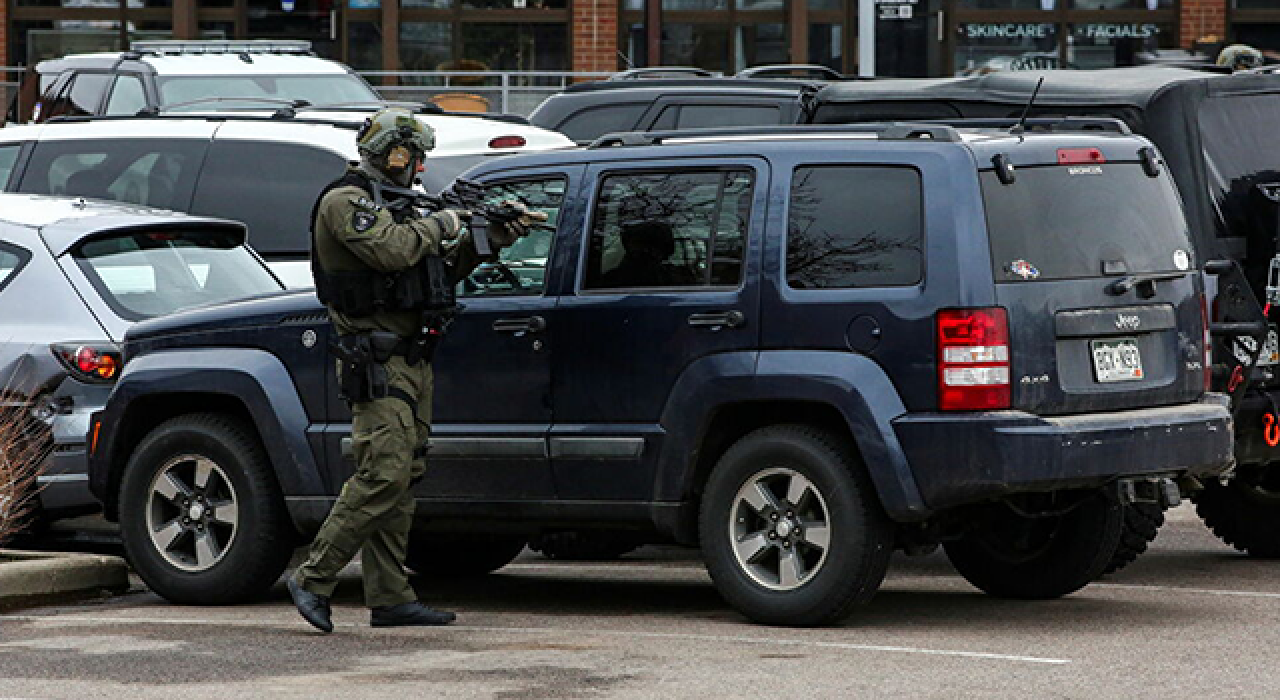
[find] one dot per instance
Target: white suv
(264, 169)
(167, 76)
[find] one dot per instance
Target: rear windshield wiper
(1124, 284)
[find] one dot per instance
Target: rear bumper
(958, 459)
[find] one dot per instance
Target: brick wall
(1202, 19)
(4, 34)
(595, 35)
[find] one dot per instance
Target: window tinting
(153, 172)
(141, 275)
(702, 116)
(679, 229)
(522, 266)
(127, 97)
(8, 156)
(271, 187)
(11, 260)
(854, 226)
(590, 124)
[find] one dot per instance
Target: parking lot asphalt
(1190, 619)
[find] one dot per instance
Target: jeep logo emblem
(1128, 323)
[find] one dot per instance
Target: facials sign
(1100, 31)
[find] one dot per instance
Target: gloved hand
(519, 227)
(451, 221)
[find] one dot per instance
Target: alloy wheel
(780, 529)
(193, 513)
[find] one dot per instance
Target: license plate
(1116, 360)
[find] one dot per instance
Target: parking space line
(762, 641)
(1181, 589)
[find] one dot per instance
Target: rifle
(464, 194)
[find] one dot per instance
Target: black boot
(413, 614)
(313, 608)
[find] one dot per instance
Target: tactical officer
(386, 274)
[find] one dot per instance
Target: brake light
(90, 362)
(506, 142)
(973, 359)
(1080, 156)
(1208, 344)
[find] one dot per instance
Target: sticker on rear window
(1023, 269)
(1181, 260)
(1085, 170)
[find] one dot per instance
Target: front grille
(318, 317)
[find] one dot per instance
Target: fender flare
(255, 378)
(854, 385)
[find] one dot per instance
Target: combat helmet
(1240, 57)
(394, 136)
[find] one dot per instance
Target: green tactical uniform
(375, 510)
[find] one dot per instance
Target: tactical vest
(366, 292)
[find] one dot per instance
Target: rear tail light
(1080, 156)
(1208, 344)
(973, 359)
(97, 363)
(506, 142)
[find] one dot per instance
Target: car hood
(259, 310)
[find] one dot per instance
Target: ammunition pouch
(361, 293)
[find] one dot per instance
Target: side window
(12, 259)
(8, 156)
(127, 97)
(271, 187)
(81, 97)
(522, 267)
(704, 116)
(590, 124)
(674, 230)
(855, 226)
(157, 173)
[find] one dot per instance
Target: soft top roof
(1135, 87)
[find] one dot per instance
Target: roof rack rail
(1052, 124)
(791, 70)
(663, 72)
(892, 131)
(174, 47)
(277, 117)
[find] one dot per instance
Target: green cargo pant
(375, 510)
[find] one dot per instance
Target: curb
(35, 577)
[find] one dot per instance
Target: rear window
(590, 124)
(176, 92)
(12, 259)
(153, 172)
(141, 275)
(1059, 222)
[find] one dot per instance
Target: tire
(818, 478)
(1012, 556)
(1142, 523)
(222, 555)
(1245, 512)
(453, 555)
(584, 545)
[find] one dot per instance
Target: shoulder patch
(365, 203)
(362, 221)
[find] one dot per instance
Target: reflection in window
(669, 230)
(156, 173)
(826, 45)
(987, 47)
(522, 266)
(525, 46)
(1010, 4)
(854, 226)
(364, 45)
(760, 44)
(8, 156)
(127, 96)
(702, 45)
(1106, 44)
(1122, 4)
(425, 45)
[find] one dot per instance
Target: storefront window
(1106, 45)
(434, 4)
(1265, 37)
(986, 47)
(215, 3)
(1254, 4)
(309, 19)
(514, 4)
(694, 5)
(364, 45)
(760, 5)
(55, 39)
(1009, 4)
(1122, 4)
(820, 5)
(760, 44)
(217, 30)
(425, 45)
(520, 47)
(702, 45)
(826, 45)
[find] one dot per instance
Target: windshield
(1063, 222)
(315, 89)
(141, 275)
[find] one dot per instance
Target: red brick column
(595, 35)
(1202, 19)
(4, 34)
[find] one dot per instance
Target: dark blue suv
(797, 347)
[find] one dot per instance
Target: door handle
(532, 324)
(718, 319)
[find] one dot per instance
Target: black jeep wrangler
(1218, 134)
(799, 348)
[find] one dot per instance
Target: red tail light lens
(1208, 344)
(506, 142)
(1080, 156)
(90, 362)
(973, 359)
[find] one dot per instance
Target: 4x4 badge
(1023, 269)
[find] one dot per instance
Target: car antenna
(1021, 127)
(626, 59)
